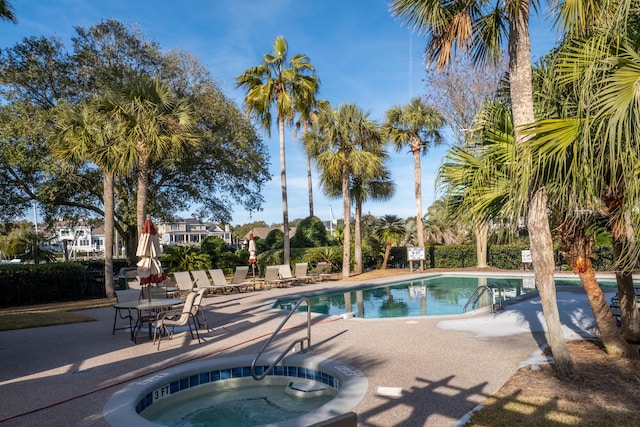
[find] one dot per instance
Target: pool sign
(526, 256)
(415, 254)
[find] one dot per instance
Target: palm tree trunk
(346, 207)
(481, 231)
(521, 88)
(629, 312)
(108, 233)
(543, 266)
(387, 253)
(357, 250)
(309, 184)
(283, 182)
(578, 254)
(141, 197)
(417, 175)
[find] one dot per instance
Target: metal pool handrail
(293, 344)
(479, 291)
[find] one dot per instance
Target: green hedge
(502, 257)
(29, 284)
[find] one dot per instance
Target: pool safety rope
(119, 383)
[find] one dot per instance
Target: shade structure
(149, 267)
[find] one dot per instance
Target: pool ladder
(486, 289)
(291, 346)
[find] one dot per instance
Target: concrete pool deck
(427, 371)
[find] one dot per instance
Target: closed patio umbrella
(149, 268)
(252, 256)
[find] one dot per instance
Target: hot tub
(300, 391)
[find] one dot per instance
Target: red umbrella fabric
(149, 268)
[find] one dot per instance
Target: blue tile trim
(240, 372)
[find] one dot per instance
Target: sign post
(415, 254)
(526, 258)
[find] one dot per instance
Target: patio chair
(126, 300)
(183, 281)
(166, 321)
(220, 282)
(300, 273)
(198, 307)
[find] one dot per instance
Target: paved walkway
(64, 375)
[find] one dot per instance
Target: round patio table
(152, 308)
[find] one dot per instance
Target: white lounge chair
(169, 319)
(183, 281)
(220, 282)
(300, 273)
(200, 279)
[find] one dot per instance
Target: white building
(191, 231)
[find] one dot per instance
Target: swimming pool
(426, 296)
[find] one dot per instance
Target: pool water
(242, 406)
(430, 296)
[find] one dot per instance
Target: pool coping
(121, 408)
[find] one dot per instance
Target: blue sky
(361, 54)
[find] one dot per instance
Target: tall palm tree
(6, 11)
(290, 84)
(361, 189)
(157, 126)
(84, 135)
(338, 145)
(308, 114)
(417, 126)
(478, 27)
(390, 229)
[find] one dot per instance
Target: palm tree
(6, 11)
(84, 135)
(478, 27)
(290, 84)
(157, 127)
(339, 143)
(477, 178)
(361, 189)
(390, 229)
(597, 133)
(415, 125)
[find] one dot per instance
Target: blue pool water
(430, 296)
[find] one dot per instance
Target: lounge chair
(300, 273)
(278, 275)
(200, 279)
(183, 281)
(240, 277)
(172, 318)
(320, 269)
(220, 282)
